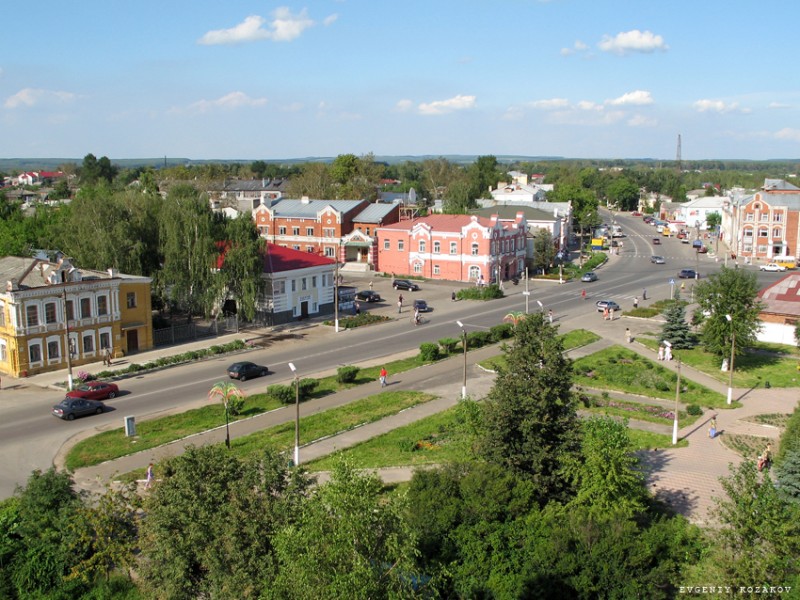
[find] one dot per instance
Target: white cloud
(578, 46)
(793, 135)
(230, 101)
(589, 105)
(637, 98)
(642, 121)
(551, 103)
(632, 41)
(404, 105)
(719, 106)
(330, 19)
(32, 97)
(284, 27)
(441, 107)
(778, 105)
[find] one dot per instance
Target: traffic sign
(672, 282)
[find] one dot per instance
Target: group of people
(765, 458)
(608, 314)
(665, 352)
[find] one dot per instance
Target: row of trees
(542, 505)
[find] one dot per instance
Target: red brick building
(454, 247)
(768, 222)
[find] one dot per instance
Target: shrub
(694, 410)
(488, 292)
(283, 393)
(365, 318)
(429, 352)
(216, 350)
(477, 339)
(307, 387)
(448, 345)
(235, 406)
(501, 332)
(347, 374)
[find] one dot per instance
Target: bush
(477, 339)
(448, 345)
(501, 332)
(429, 352)
(307, 387)
(694, 410)
(283, 393)
(347, 374)
(365, 318)
(235, 406)
(487, 292)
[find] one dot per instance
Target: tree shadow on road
(677, 500)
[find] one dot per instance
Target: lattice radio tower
(678, 165)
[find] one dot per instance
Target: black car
(421, 306)
(688, 274)
(246, 370)
(368, 296)
(69, 408)
(405, 284)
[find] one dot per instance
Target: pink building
(453, 247)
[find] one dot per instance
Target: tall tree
(314, 181)
(623, 193)
(676, 329)
(188, 250)
(531, 418)
(348, 543)
(544, 251)
(483, 176)
(241, 266)
(731, 292)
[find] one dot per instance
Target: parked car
(368, 296)
(606, 304)
(772, 267)
(95, 390)
(421, 306)
(697, 244)
(69, 408)
(685, 239)
(688, 274)
(657, 241)
(702, 249)
(636, 213)
(245, 370)
(589, 276)
(648, 219)
(405, 284)
(657, 260)
(681, 235)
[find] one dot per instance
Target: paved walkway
(686, 478)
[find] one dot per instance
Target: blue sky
(259, 80)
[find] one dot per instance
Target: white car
(772, 267)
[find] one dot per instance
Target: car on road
(589, 276)
(368, 296)
(657, 260)
(702, 249)
(95, 390)
(69, 408)
(421, 306)
(606, 304)
(656, 241)
(685, 239)
(772, 267)
(245, 370)
(648, 219)
(636, 213)
(405, 284)
(688, 274)
(681, 235)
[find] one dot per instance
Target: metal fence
(177, 334)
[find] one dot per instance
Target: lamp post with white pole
(464, 345)
(527, 292)
(541, 306)
(730, 366)
(296, 415)
(677, 398)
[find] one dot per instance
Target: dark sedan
(246, 370)
(95, 390)
(688, 274)
(421, 306)
(405, 284)
(368, 296)
(69, 408)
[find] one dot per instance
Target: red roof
(278, 259)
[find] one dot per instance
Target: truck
(598, 243)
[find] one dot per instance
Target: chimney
(304, 200)
(113, 272)
(12, 285)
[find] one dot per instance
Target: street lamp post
(677, 398)
(68, 347)
(296, 415)
(730, 366)
(464, 345)
(541, 306)
(527, 292)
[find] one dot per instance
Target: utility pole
(67, 347)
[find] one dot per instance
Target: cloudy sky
(250, 80)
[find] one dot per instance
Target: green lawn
(652, 413)
(572, 339)
(773, 363)
(617, 368)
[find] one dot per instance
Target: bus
(790, 262)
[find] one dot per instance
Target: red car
(94, 390)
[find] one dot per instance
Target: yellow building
(43, 303)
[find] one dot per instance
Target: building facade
(454, 247)
(768, 222)
(54, 315)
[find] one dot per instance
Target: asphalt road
(30, 436)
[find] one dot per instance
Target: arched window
(422, 245)
(475, 250)
(417, 267)
(762, 232)
(474, 273)
(777, 232)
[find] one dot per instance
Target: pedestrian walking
(583, 294)
(605, 314)
(712, 428)
(370, 285)
(668, 353)
(550, 316)
(148, 481)
(636, 302)
(384, 375)
(644, 294)
(453, 296)
(107, 357)
(661, 353)
(611, 314)
(628, 335)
